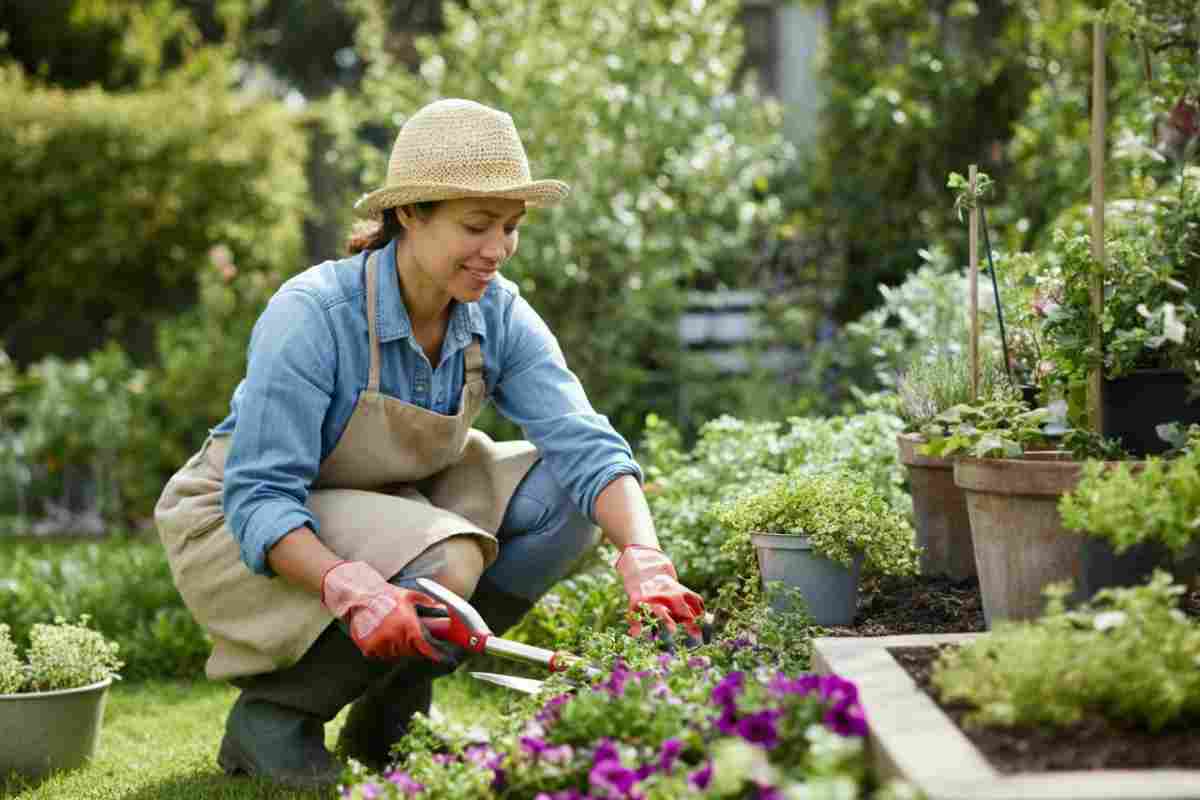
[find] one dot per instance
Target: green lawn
(159, 740)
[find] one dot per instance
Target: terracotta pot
(1019, 540)
(939, 511)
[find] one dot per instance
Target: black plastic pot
(1102, 568)
(1135, 404)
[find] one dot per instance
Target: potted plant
(926, 389)
(55, 697)
(815, 533)
(1151, 316)
(1014, 463)
(1150, 510)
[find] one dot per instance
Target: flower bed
(686, 726)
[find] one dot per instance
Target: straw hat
(458, 148)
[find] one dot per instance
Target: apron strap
(372, 266)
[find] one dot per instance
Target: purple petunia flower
(699, 662)
(701, 778)
(534, 745)
(667, 754)
(768, 792)
(558, 755)
(552, 708)
(759, 728)
(370, 790)
(727, 722)
(836, 689)
(606, 750)
(739, 643)
(846, 718)
(725, 693)
(610, 776)
(403, 782)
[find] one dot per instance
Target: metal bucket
(45, 732)
(830, 590)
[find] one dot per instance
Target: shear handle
(465, 627)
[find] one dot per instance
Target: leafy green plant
(62, 655)
(1129, 655)
(1000, 428)
(1154, 501)
(841, 514)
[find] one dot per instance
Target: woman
(348, 468)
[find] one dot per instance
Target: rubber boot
(379, 719)
(276, 728)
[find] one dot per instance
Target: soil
(1091, 743)
(889, 606)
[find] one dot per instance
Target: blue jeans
(542, 537)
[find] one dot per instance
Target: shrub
(125, 588)
(671, 164)
(1129, 655)
(61, 656)
(118, 210)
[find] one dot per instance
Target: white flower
(1108, 620)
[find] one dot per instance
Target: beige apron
(400, 479)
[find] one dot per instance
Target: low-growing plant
(682, 727)
(1008, 428)
(60, 656)
(1156, 501)
(841, 514)
(1129, 655)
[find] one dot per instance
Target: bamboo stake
(973, 281)
(1099, 123)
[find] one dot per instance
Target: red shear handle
(453, 630)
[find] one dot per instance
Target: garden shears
(466, 628)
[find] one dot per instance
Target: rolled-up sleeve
(281, 405)
(536, 390)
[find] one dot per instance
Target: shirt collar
(392, 315)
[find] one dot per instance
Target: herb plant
(1129, 655)
(943, 380)
(60, 656)
(840, 514)
(1158, 501)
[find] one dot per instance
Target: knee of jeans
(456, 563)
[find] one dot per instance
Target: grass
(159, 740)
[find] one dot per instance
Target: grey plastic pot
(829, 589)
(45, 732)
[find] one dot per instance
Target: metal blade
(526, 685)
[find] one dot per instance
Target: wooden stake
(1099, 123)
(973, 282)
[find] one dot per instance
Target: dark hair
(374, 234)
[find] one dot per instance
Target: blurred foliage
(672, 167)
(117, 210)
(124, 585)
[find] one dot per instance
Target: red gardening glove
(650, 579)
(384, 619)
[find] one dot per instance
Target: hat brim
(538, 194)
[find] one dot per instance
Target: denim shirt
(309, 358)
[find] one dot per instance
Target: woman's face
(459, 248)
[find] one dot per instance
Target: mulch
(893, 606)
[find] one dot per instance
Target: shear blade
(525, 685)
